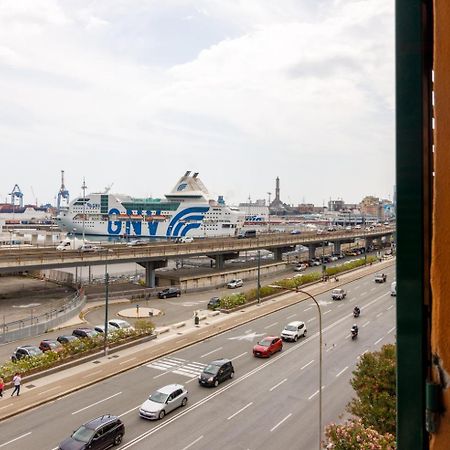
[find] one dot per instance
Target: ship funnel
(195, 175)
(187, 173)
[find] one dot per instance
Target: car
(216, 372)
(97, 434)
(293, 330)
(66, 338)
(119, 324)
(394, 289)
(315, 262)
(184, 240)
(136, 242)
(214, 303)
(236, 283)
(268, 346)
(88, 248)
(84, 332)
(169, 292)
(296, 232)
(338, 294)
(163, 401)
(333, 258)
(380, 278)
(25, 351)
(53, 345)
(357, 227)
(300, 267)
(348, 228)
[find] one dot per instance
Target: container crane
(16, 196)
(63, 195)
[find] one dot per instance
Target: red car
(51, 345)
(268, 346)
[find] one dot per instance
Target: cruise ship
(188, 210)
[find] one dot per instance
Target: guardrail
(36, 325)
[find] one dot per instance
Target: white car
(338, 294)
(233, 284)
(164, 400)
(89, 248)
(333, 258)
(293, 330)
(300, 268)
(185, 240)
(394, 289)
(137, 242)
(120, 324)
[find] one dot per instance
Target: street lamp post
(105, 342)
(258, 287)
(300, 291)
(84, 187)
(268, 211)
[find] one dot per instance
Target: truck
(247, 234)
(69, 244)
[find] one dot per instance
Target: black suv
(216, 372)
(214, 303)
(25, 351)
(84, 333)
(97, 434)
(169, 292)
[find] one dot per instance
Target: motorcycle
(354, 332)
(356, 313)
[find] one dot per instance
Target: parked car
(164, 400)
(333, 258)
(268, 346)
(84, 332)
(97, 434)
(380, 278)
(66, 338)
(233, 284)
(293, 330)
(300, 267)
(214, 303)
(216, 372)
(338, 294)
(315, 262)
(89, 248)
(119, 324)
(169, 292)
(53, 345)
(25, 351)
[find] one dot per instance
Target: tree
(374, 381)
(354, 435)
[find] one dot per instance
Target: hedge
(49, 359)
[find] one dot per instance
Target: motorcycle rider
(354, 329)
(356, 311)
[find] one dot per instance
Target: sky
(132, 93)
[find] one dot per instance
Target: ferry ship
(187, 210)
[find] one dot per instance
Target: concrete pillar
(220, 261)
(48, 239)
(277, 254)
(34, 239)
(337, 247)
(311, 251)
(150, 267)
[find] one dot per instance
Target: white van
(394, 289)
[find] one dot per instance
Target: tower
(277, 189)
(63, 194)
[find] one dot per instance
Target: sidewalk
(50, 387)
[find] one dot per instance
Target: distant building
(336, 205)
(277, 207)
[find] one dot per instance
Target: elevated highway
(156, 254)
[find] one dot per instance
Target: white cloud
(273, 88)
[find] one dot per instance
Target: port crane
(63, 194)
(16, 196)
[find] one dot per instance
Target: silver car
(163, 401)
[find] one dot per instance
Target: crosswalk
(177, 365)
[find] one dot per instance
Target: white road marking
(238, 356)
(191, 380)
(160, 375)
(378, 341)
(367, 323)
(372, 289)
(331, 347)
(96, 403)
(390, 307)
(242, 409)
(16, 439)
(307, 309)
(278, 384)
(391, 330)
(379, 314)
(342, 371)
(7, 406)
(363, 293)
(326, 312)
(193, 443)
(279, 423)
(290, 317)
(340, 305)
(130, 410)
(212, 351)
(310, 320)
(313, 395)
(271, 325)
(127, 360)
(306, 365)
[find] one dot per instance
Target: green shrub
(144, 325)
(233, 300)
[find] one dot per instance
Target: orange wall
(440, 265)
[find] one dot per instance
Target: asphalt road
(269, 404)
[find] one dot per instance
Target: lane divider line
(278, 384)
(96, 403)
(15, 439)
(193, 443)
(279, 423)
(237, 412)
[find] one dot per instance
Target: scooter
(356, 313)
(354, 333)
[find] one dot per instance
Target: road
(269, 404)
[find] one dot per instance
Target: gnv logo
(182, 187)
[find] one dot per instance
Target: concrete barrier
(159, 331)
(179, 325)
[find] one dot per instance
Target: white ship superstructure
(188, 210)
